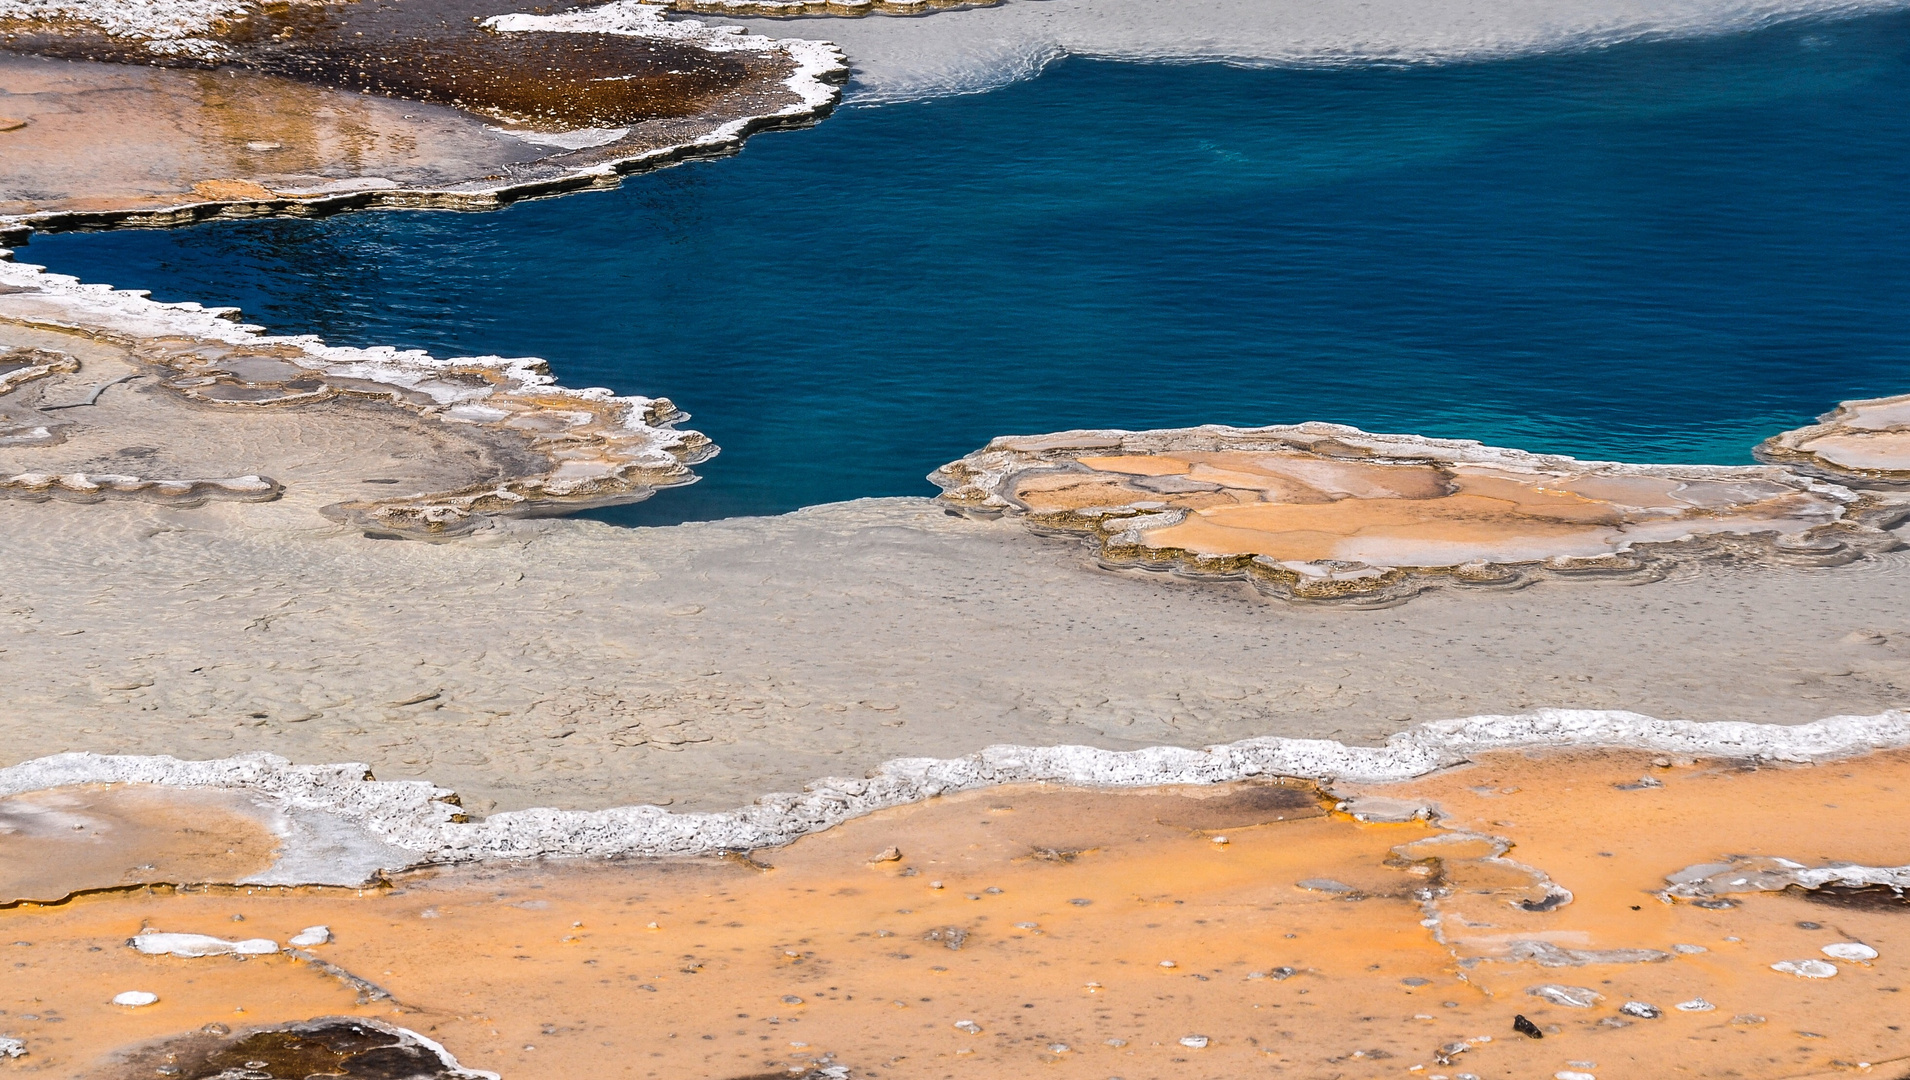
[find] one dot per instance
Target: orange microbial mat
(1257, 929)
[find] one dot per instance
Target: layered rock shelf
(1861, 442)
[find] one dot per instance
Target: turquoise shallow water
(1660, 251)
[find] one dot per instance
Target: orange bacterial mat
(1233, 931)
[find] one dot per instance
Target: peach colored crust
(1302, 508)
(54, 843)
(813, 952)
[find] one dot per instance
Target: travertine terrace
(1324, 511)
(1866, 442)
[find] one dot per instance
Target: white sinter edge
(820, 66)
(416, 818)
(65, 301)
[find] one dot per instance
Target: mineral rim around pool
(129, 110)
(108, 396)
(1862, 441)
(1223, 931)
(1322, 509)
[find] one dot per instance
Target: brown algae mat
(1202, 932)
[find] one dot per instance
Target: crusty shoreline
(407, 824)
(806, 94)
(545, 447)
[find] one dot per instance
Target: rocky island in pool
(339, 741)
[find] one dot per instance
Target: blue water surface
(1654, 252)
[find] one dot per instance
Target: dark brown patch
(1244, 806)
(1861, 897)
(335, 1046)
(438, 51)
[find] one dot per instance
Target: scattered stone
(1694, 1005)
(1572, 997)
(1221, 840)
(1169, 964)
(310, 936)
(1806, 969)
(888, 854)
(1117, 1043)
(969, 1026)
(951, 936)
(1546, 954)
(1057, 1048)
(1194, 1042)
(1689, 950)
(1641, 1010)
(791, 999)
(1325, 885)
(196, 945)
(1080, 902)
(134, 999)
(1445, 1054)
(1854, 951)
(12, 1048)
(1282, 973)
(1526, 1027)
(993, 890)
(1572, 1074)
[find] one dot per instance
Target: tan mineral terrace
(1864, 441)
(107, 395)
(1323, 510)
(1271, 927)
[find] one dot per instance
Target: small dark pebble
(1526, 1028)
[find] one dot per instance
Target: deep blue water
(1659, 251)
